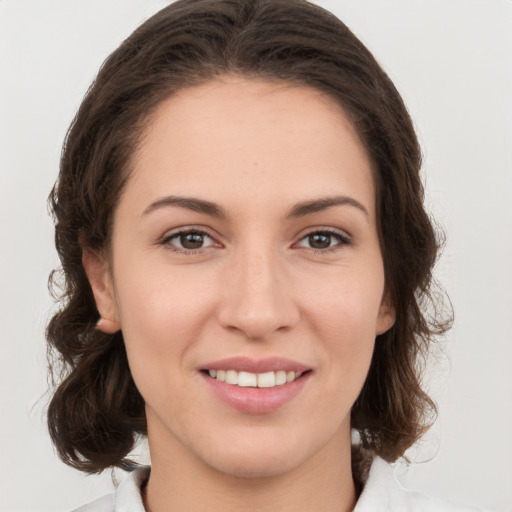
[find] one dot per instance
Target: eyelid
(342, 236)
(176, 232)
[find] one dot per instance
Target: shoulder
(382, 491)
(126, 498)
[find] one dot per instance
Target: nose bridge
(258, 299)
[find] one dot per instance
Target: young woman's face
(245, 246)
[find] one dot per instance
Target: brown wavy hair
(96, 414)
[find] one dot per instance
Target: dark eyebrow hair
(191, 203)
(317, 205)
(209, 208)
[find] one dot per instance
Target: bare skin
(247, 229)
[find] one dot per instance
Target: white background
(451, 60)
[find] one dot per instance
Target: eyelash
(166, 241)
(341, 238)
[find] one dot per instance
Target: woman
(246, 256)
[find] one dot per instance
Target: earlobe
(386, 318)
(101, 283)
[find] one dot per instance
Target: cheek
(348, 301)
(349, 332)
(344, 314)
(161, 313)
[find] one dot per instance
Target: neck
(180, 482)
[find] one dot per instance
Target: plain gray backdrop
(452, 62)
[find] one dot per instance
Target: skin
(259, 286)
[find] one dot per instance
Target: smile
(256, 386)
(254, 380)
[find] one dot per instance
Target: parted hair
(96, 414)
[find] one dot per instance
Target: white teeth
(248, 379)
(231, 377)
(266, 380)
(280, 377)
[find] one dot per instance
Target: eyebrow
(318, 205)
(190, 203)
(214, 210)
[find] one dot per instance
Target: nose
(258, 298)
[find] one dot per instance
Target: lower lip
(257, 400)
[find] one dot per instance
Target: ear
(100, 280)
(386, 317)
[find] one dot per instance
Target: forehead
(254, 140)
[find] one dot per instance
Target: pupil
(319, 241)
(191, 240)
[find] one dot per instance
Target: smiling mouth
(256, 386)
(255, 380)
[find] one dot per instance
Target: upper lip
(247, 364)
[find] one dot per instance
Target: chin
(256, 465)
(260, 456)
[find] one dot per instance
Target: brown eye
(188, 241)
(192, 240)
(322, 240)
(319, 240)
